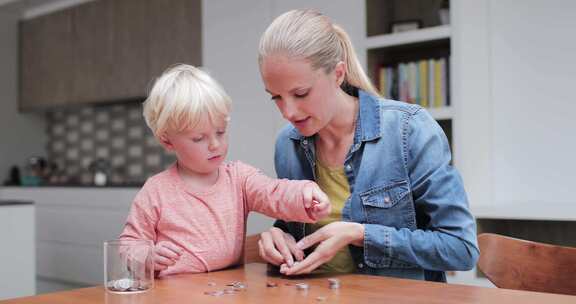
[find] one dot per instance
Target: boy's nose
(214, 144)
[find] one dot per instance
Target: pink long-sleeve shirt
(209, 226)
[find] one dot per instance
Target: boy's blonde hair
(184, 97)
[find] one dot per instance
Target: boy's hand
(165, 254)
(316, 202)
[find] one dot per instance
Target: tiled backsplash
(116, 134)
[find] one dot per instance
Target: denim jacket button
(348, 168)
(360, 265)
(305, 142)
(387, 199)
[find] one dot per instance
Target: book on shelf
(424, 82)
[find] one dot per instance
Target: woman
(399, 207)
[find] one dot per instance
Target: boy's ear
(165, 142)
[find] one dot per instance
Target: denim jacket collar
(367, 122)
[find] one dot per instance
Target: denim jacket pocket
(385, 196)
(389, 205)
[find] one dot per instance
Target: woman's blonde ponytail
(310, 35)
(355, 74)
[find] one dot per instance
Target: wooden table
(354, 289)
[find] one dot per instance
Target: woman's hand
(330, 239)
(278, 247)
(165, 254)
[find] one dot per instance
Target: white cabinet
(17, 255)
(71, 226)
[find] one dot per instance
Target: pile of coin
(333, 283)
(237, 285)
(302, 286)
(127, 285)
(233, 288)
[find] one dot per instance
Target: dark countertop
(15, 202)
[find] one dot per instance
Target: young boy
(195, 211)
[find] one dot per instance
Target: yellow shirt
(333, 181)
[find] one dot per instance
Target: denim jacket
(403, 189)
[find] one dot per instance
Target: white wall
(21, 135)
(472, 98)
(231, 32)
(513, 86)
(534, 73)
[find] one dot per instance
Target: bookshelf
(400, 62)
(409, 37)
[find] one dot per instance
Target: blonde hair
(184, 97)
(310, 35)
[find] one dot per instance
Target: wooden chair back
(525, 265)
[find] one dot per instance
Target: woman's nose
(288, 109)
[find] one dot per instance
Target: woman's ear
(340, 73)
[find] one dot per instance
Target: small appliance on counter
(35, 172)
(100, 168)
(14, 178)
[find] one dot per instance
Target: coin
(271, 284)
(211, 284)
(215, 293)
(320, 299)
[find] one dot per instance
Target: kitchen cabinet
(46, 56)
(105, 51)
(92, 46)
(175, 34)
(131, 45)
(111, 48)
